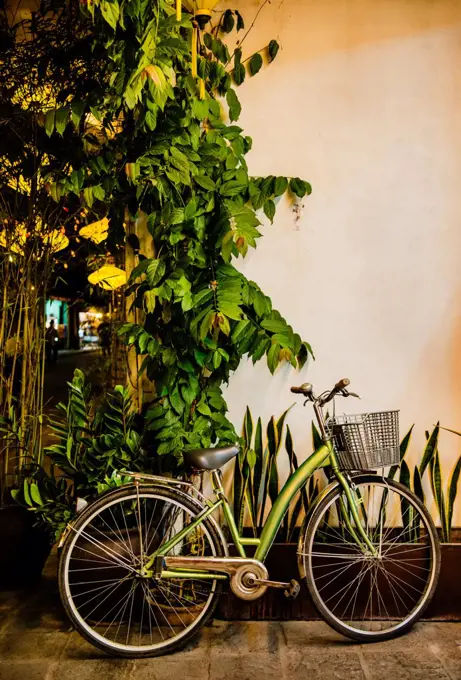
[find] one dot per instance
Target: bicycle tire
(182, 500)
(306, 555)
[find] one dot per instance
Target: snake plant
(258, 471)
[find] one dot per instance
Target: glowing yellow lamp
(201, 9)
(96, 231)
(109, 277)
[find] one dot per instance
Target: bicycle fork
(358, 532)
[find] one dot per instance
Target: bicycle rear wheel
(365, 597)
(113, 607)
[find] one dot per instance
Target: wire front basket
(365, 441)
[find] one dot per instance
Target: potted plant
(95, 440)
(258, 468)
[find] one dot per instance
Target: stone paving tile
(321, 664)
(32, 646)
(36, 619)
(247, 667)
(91, 669)
(416, 638)
(78, 648)
(314, 634)
(24, 670)
(244, 637)
(167, 668)
(422, 665)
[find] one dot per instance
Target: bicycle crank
(290, 590)
(247, 576)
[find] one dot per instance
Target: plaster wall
(363, 101)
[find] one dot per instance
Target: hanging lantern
(96, 231)
(108, 277)
(202, 11)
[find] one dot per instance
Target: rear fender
(199, 505)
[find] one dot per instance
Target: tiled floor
(36, 643)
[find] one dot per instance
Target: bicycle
(143, 566)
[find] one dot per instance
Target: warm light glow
(96, 231)
(200, 6)
(15, 240)
(108, 277)
(56, 240)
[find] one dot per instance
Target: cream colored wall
(364, 101)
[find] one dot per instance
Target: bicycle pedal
(293, 590)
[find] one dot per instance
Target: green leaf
(49, 122)
(273, 49)
(205, 182)
(280, 186)
(138, 270)
(299, 187)
(405, 475)
(151, 119)
(452, 493)
(436, 481)
(150, 299)
(155, 272)
(25, 489)
(248, 428)
(227, 23)
(35, 494)
(255, 64)
(239, 74)
(240, 21)
(176, 401)
(403, 449)
(317, 440)
(204, 409)
(62, 118)
(110, 11)
(77, 109)
(99, 192)
(234, 104)
(429, 451)
(239, 329)
(269, 209)
(273, 356)
(417, 485)
(88, 196)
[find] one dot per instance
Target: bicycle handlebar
(306, 389)
(339, 387)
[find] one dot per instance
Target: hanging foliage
(177, 161)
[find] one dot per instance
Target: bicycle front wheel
(365, 596)
(103, 593)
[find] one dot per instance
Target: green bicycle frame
(323, 456)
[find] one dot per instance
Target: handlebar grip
(340, 385)
(305, 388)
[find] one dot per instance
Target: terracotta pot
(282, 566)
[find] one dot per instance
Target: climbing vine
(159, 145)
